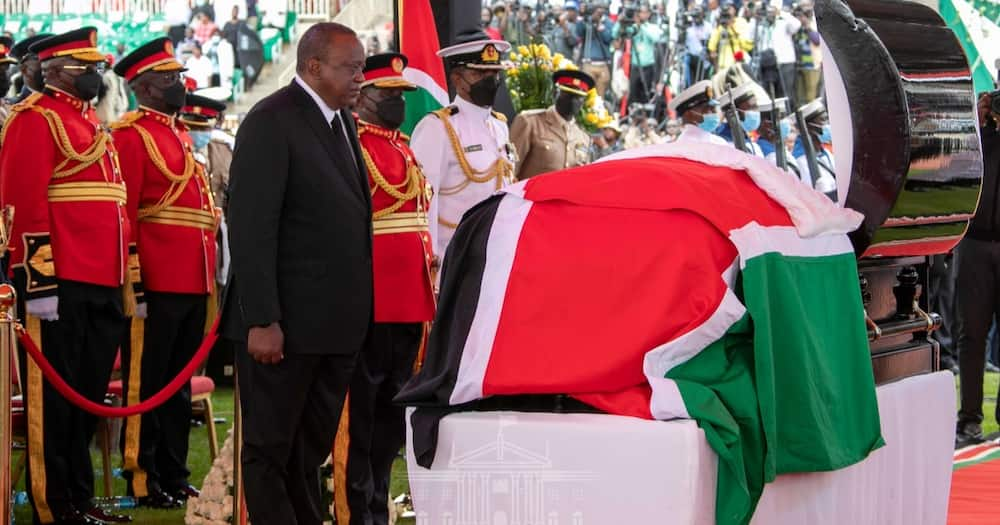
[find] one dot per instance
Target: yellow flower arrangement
(530, 85)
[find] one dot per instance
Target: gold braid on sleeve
(413, 187)
(178, 182)
(84, 159)
(501, 171)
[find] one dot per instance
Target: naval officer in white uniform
(818, 124)
(696, 108)
(744, 98)
(464, 148)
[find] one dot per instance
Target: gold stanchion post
(239, 511)
(7, 349)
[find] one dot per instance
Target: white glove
(140, 311)
(222, 275)
(826, 183)
(46, 308)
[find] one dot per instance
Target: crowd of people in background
(641, 54)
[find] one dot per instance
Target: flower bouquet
(530, 85)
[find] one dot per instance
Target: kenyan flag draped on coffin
(676, 281)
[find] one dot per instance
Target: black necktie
(343, 146)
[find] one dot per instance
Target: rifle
(777, 113)
(807, 146)
(739, 139)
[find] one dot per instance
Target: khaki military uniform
(546, 142)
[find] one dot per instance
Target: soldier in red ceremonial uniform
(69, 252)
(372, 429)
(174, 219)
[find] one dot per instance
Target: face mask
(484, 91)
(709, 122)
(568, 105)
(38, 80)
(173, 97)
(88, 85)
(751, 121)
(201, 138)
(825, 135)
(785, 128)
(391, 111)
(215, 39)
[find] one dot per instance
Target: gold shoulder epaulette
(127, 120)
(445, 112)
(500, 116)
(24, 105)
(29, 101)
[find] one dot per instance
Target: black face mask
(568, 105)
(485, 91)
(391, 111)
(174, 97)
(88, 85)
(38, 82)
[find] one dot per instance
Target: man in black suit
(300, 291)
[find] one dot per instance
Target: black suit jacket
(300, 229)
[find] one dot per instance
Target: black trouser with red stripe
(174, 329)
(375, 425)
(81, 346)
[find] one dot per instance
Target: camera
(690, 18)
(627, 16)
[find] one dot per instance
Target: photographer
(564, 34)
(728, 40)
(977, 268)
(773, 32)
(806, 39)
(634, 26)
(516, 24)
(695, 31)
(596, 34)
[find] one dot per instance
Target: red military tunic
(59, 170)
(169, 203)
(402, 249)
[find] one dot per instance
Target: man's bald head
(316, 42)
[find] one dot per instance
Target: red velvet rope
(98, 409)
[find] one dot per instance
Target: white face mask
(215, 39)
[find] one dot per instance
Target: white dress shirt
(693, 133)
(826, 181)
(483, 138)
(328, 113)
(200, 69)
(781, 35)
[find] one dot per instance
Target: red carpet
(975, 486)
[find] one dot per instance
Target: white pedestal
(500, 468)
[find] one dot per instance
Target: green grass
(198, 461)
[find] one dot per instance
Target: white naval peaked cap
(768, 105)
(473, 49)
(699, 93)
(742, 92)
(813, 109)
